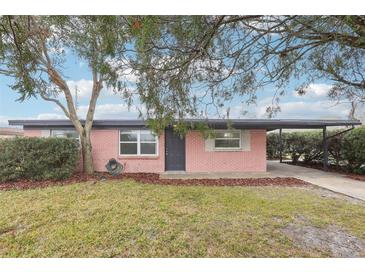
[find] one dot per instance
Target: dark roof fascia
(67, 124)
(272, 124)
(268, 124)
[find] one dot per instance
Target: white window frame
(63, 129)
(229, 148)
(138, 142)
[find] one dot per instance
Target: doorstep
(213, 175)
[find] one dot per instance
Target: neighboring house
(6, 132)
(242, 148)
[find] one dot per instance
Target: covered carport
(314, 124)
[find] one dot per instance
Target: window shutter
(209, 144)
(246, 140)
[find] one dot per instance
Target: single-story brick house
(242, 148)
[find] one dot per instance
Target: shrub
(273, 146)
(37, 158)
(306, 145)
(353, 147)
(299, 145)
(335, 150)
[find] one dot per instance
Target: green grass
(129, 219)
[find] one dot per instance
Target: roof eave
(215, 123)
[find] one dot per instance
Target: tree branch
(97, 87)
(57, 102)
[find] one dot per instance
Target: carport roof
(269, 124)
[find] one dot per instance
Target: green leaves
(195, 65)
(31, 44)
(187, 66)
(354, 149)
(37, 158)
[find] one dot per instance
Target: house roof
(269, 124)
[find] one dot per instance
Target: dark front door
(174, 151)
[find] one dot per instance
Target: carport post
(280, 146)
(325, 149)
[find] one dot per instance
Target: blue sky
(314, 104)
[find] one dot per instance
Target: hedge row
(346, 151)
(37, 158)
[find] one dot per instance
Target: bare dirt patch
(7, 230)
(331, 239)
(330, 194)
(154, 178)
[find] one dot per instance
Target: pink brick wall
(106, 145)
(199, 160)
(32, 133)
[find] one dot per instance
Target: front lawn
(129, 219)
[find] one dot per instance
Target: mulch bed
(153, 178)
(331, 168)
(356, 177)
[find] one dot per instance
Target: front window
(66, 133)
(227, 140)
(138, 142)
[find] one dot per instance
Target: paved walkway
(332, 181)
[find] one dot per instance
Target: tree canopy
(184, 66)
(186, 62)
(33, 52)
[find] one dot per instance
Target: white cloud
(42, 116)
(240, 111)
(83, 86)
(128, 75)
(50, 116)
(111, 111)
(103, 111)
(315, 91)
(4, 121)
(323, 109)
(124, 72)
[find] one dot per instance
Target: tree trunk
(86, 151)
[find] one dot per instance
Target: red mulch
(356, 177)
(153, 178)
(331, 168)
(279, 181)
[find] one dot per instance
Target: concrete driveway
(332, 181)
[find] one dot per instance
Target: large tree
(34, 50)
(185, 62)
(185, 66)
